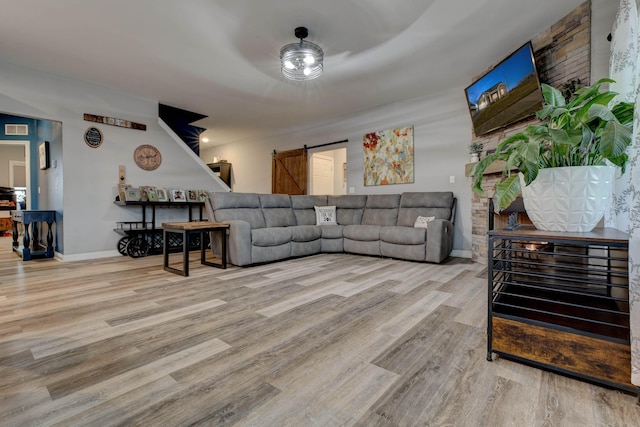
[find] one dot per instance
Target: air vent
(16, 130)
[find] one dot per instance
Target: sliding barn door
(289, 172)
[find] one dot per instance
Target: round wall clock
(147, 157)
(93, 137)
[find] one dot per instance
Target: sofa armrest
(239, 244)
(439, 240)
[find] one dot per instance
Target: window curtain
(624, 211)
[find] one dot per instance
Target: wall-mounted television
(508, 93)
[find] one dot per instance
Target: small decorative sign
(93, 137)
(115, 122)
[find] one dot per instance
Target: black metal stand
(559, 301)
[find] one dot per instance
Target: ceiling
(221, 57)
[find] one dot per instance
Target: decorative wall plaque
(115, 122)
(93, 137)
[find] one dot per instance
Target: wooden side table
(187, 229)
(31, 247)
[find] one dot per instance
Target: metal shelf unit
(560, 301)
(141, 238)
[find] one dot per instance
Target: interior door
(321, 174)
(289, 172)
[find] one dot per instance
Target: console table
(560, 301)
(186, 229)
(32, 248)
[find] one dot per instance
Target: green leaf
(599, 111)
(587, 93)
(507, 191)
(615, 140)
(477, 170)
(552, 96)
(624, 113)
(512, 140)
(566, 137)
(546, 111)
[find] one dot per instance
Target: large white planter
(569, 198)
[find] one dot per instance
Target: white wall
(603, 14)
(90, 174)
(339, 184)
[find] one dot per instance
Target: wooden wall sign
(115, 122)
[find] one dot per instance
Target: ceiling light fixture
(301, 61)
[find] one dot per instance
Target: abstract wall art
(388, 156)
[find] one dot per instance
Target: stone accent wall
(562, 54)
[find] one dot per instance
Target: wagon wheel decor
(137, 247)
(122, 245)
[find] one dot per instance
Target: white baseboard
(461, 254)
(88, 256)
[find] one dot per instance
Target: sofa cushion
(332, 231)
(306, 248)
(277, 211)
(325, 215)
(302, 206)
(305, 233)
(413, 205)
(272, 236)
(349, 208)
(238, 206)
(403, 235)
(408, 252)
(381, 209)
(361, 232)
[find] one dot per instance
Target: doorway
(328, 172)
(13, 168)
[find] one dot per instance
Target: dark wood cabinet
(222, 170)
(560, 301)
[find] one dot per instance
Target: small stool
(187, 229)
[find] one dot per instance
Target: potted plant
(584, 132)
(475, 148)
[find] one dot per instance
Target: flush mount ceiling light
(301, 61)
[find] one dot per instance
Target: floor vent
(22, 130)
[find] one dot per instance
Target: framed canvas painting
(388, 156)
(43, 155)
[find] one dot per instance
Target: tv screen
(508, 93)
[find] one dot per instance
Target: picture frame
(202, 195)
(122, 191)
(178, 195)
(152, 194)
(43, 155)
(132, 194)
(192, 196)
(162, 194)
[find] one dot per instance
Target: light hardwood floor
(327, 340)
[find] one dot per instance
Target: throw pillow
(423, 221)
(325, 215)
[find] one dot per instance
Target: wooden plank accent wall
(562, 53)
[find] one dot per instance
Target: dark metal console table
(32, 247)
(560, 301)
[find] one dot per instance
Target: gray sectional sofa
(271, 227)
